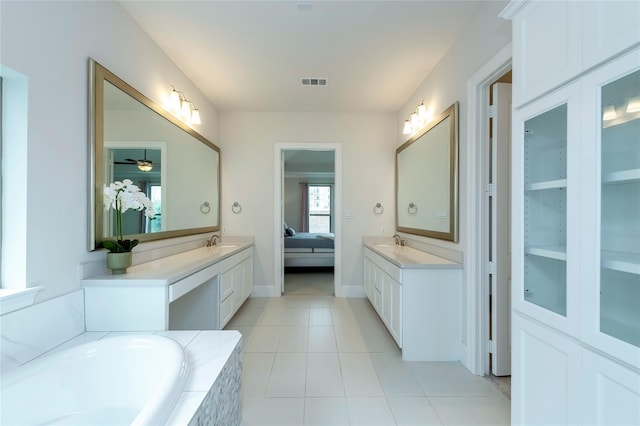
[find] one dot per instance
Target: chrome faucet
(212, 241)
(398, 241)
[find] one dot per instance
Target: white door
(280, 229)
(500, 277)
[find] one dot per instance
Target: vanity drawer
(226, 285)
(226, 311)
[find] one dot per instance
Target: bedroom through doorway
(308, 228)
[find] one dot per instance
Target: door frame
(476, 268)
(278, 240)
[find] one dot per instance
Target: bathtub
(115, 381)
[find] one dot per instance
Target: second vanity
(197, 289)
(418, 297)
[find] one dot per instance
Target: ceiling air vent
(308, 81)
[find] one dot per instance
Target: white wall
(50, 43)
(486, 36)
(247, 152)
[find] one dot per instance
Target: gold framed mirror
(427, 179)
(131, 137)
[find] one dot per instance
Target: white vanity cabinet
(236, 284)
(576, 215)
(418, 303)
(196, 290)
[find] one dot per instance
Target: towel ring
(236, 208)
(205, 208)
(412, 209)
(378, 209)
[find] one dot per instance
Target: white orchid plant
(122, 196)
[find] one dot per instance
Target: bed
(304, 249)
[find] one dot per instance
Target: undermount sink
(222, 246)
(385, 245)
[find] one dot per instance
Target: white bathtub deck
(210, 392)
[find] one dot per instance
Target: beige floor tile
(369, 412)
(413, 411)
(322, 339)
(324, 377)
(359, 375)
(326, 412)
(288, 375)
(293, 339)
(273, 411)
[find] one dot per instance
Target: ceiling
(251, 55)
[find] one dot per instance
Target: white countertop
(168, 270)
(407, 257)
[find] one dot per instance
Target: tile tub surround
(34, 330)
(212, 392)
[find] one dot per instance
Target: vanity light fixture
(417, 119)
(183, 107)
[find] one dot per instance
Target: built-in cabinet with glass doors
(576, 213)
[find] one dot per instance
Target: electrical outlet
(224, 229)
(383, 230)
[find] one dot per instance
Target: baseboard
(350, 291)
(265, 291)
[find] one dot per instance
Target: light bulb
(195, 116)
(174, 100)
(609, 113)
(422, 111)
(407, 128)
(633, 105)
(186, 110)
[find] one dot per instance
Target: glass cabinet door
(545, 210)
(620, 209)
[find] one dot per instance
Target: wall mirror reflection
(177, 168)
(427, 179)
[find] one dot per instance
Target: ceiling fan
(144, 165)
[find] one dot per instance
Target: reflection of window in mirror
(155, 195)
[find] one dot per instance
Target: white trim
(475, 269)
(278, 219)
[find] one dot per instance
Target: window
(320, 208)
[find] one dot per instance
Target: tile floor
(313, 359)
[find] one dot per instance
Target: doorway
(307, 188)
(309, 217)
(498, 205)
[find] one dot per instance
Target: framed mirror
(133, 138)
(427, 179)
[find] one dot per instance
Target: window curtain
(304, 207)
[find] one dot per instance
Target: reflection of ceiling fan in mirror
(144, 165)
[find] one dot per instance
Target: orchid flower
(122, 196)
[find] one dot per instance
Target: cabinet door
(610, 392)
(612, 208)
(547, 40)
(545, 384)
(386, 299)
(609, 27)
(545, 193)
(247, 277)
(395, 319)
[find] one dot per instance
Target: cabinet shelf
(623, 262)
(551, 252)
(623, 176)
(550, 184)
(625, 332)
